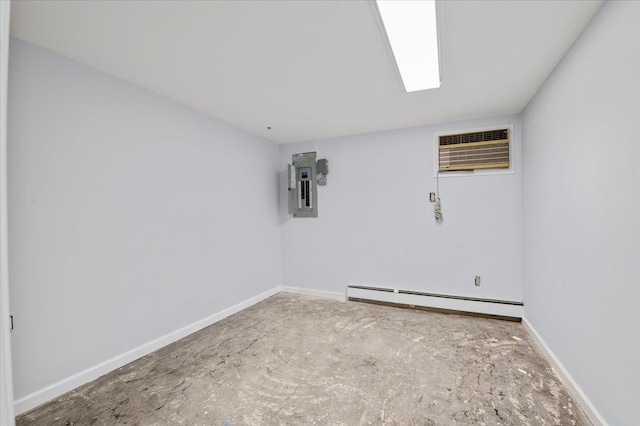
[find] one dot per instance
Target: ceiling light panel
(413, 35)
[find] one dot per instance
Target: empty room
(359, 212)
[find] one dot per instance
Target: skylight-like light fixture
(413, 35)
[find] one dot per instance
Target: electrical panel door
(303, 188)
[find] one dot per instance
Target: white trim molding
(6, 377)
(50, 392)
(341, 297)
(578, 395)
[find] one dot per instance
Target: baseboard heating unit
(501, 309)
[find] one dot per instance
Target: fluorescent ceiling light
(413, 36)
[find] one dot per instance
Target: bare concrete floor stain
(300, 360)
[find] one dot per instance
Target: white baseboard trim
(575, 390)
(341, 297)
(50, 392)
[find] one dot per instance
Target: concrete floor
(300, 360)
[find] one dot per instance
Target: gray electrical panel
(303, 188)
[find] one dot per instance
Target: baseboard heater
(502, 309)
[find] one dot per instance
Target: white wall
(376, 225)
(128, 214)
(581, 212)
(6, 376)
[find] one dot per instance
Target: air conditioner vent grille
(474, 150)
(490, 135)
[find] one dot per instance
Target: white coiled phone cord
(437, 208)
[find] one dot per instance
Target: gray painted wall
(6, 375)
(377, 227)
(129, 216)
(581, 212)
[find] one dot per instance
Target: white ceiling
(310, 69)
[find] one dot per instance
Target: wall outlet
(477, 281)
(432, 197)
